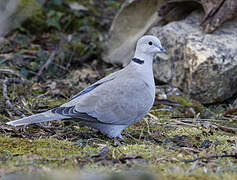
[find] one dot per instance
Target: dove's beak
(163, 50)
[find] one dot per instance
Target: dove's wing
(96, 84)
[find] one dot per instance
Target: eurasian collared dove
(114, 102)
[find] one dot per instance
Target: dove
(116, 101)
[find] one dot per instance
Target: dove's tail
(37, 118)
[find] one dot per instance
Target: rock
(171, 99)
(165, 91)
(201, 65)
(161, 94)
(216, 11)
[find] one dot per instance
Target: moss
(36, 19)
(160, 113)
(30, 13)
(78, 47)
(38, 151)
(43, 147)
(163, 159)
(187, 103)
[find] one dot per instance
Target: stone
(216, 11)
(171, 99)
(160, 93)
(202, 65)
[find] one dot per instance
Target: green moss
(38, 151)
(77, 46)
(164, 159)
(186, 102)
(36, 19)
(45, 148)
(160, 113)
(30, 13)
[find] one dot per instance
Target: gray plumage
(114, 102)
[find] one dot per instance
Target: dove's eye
(150, 43)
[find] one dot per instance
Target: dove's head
(149, 45)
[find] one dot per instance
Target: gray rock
(201, 65)
(163, 91)
(160, 93)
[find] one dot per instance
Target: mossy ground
(158, 147)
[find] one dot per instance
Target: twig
(70, 59)
(191, 120)
(211, 157)
(174, 120)
(61, 67)
(182, 123)
(6, 57)
(5, 96)
(166, 102)
(227, 129)
(29, 57)
(185, 121)
(153, 116)
(10, 71)
(185, 149)
(46, 65)
(148, 127)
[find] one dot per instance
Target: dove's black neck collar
(139, 61)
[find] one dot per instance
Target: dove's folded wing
(93, 86)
